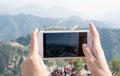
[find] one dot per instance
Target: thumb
(34, 42)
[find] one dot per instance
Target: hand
(94, 55)
(33, 65)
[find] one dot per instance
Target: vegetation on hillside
(114, 65)
(11, 59)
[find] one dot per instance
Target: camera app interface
(64, 44)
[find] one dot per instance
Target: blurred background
(18, 18)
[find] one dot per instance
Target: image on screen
(64, 44)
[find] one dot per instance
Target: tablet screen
(68, 44)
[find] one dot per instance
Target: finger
(34, 42)
(87, 52)
(94, 35)
(93, 30)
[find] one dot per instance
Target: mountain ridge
(15, 26)
(13, 44)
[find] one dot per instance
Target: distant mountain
(15, 26)
(18, 25)
(37, 10)
(72, 21)
(111, 18)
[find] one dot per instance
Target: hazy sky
(88, 7)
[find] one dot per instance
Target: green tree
(78, 64)
(115, 66)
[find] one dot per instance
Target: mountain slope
(13, 27)
(110, 39)
(11, 58)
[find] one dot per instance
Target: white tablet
(62, 44)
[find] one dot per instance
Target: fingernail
(36, 28)
(90, 23)
(84, 45)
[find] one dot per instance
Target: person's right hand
(94, 55)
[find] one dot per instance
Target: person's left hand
(33, 64)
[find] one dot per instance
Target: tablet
(65, 44)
